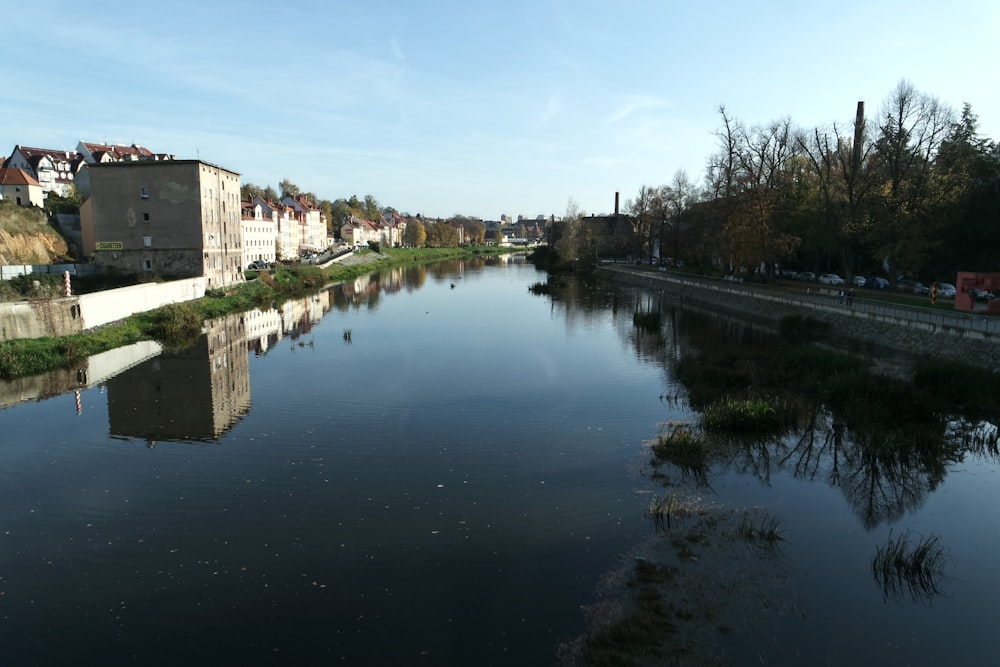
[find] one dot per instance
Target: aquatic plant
(749, 416)
(767, 529)
(915, 571)
(684, 447)
(661, 510)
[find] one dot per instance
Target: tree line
(420, 232)
(915, 190)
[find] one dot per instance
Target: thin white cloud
(634, 104)
(551, 111)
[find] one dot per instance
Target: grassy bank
(177, 324)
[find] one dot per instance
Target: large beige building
(174, 218)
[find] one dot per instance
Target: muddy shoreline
(708, 589)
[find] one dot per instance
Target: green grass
(749, 416)
(29, 356)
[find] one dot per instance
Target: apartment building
(173, 217)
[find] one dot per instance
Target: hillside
(27, 238)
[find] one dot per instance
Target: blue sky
(479, 108)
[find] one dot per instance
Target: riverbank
(927, 332)
(29, 356)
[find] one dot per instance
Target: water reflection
(87, 373)
(193, 394)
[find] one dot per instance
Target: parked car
(946, 290)
(807, 277)
(876, 282)
(788, 274)
(906, 285)
(830, 279)
(859, 281)
(921, 289)
(983, 295)
(257, 265)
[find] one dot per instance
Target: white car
(830, 279)
(859, 281)
(946, 290)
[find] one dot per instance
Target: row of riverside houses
(150, 212)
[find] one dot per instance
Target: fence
(8, 271)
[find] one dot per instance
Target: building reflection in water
(194, 394)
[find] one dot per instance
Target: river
(428, 465)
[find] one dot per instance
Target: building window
(144, 193)
(145, 216)
(147, 241)
(147, 265)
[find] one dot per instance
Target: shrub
(176, 324)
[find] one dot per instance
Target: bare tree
(838, 162)
(642, 211)
(912, 127)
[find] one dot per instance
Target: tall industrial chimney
(616, 204)
(859, 136)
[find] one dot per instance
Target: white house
(17, 185)
(54, 170)
(359, 232)
(260, 234)
(313, 234)
(287, 241)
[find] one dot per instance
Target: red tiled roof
(16, 177)
(120, 152)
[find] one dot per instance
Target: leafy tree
(288, 189)
(248, 191)
(567, 237)
(474, 230)
(970, 165)
(415, 235)
(371, 208)
(340, 212)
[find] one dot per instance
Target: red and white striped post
(69, 292)
(79, 403)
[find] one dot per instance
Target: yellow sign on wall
(108, 245)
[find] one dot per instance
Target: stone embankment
(965, 337)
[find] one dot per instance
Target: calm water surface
(430, 466)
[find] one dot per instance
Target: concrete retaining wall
(39, 318)
(68, 315)
(973, 340)
(110, 305)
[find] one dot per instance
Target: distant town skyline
(517, 108)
